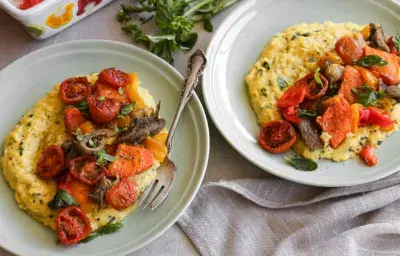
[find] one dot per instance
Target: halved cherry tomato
(74, 90)
(114, 77)
(26, 4)
(110, 92)
(392, 48)
(371, 116)
(84, 169)
(349, 49)
(73, 118)
(369, 156)
(292, 97)
(315, 91)
(130, 161)
(103, 111)
(123, 194)
(336, 121)
(72, 225)
(290, 114)
(51, 162)
(351, 79)
(389, 72)
(277, 136)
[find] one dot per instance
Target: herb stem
(196, 7)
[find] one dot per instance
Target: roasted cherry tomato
(349, 50)
(84, 169)
(316, 91)
(74, 90)
(103, 111)
(277, 136)
(292, 97)
(371, 116)
(73, 118)
(369, 156)
(114, 77)
(111, 92)
(51, 162)
(72, 225)
(290, 114)
(123, 194)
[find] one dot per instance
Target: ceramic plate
(29, 78)
(238, 44)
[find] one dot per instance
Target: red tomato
(292, 97)
(112, 93)
(51, 162)
(73, 118)
(352, 78)
(103, 111)
(123, 194)
(349, 50)
(26, 4)
(290, 114)
(277, 136)
(74, 90)
(114, 77)
(84, 169)
(315, 91)
(72, 225)
(369, 156)
(371, 116)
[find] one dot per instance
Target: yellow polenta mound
(289, 56)
(40, 127)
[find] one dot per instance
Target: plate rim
(219, 123)
(204, 156)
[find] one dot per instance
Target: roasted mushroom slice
(95, 141)
(393, 92)
(334, 73)
(309, 131)
(142, 127)
(377, 37)
(100, 190)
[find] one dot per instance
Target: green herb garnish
(120, 91)
(367, 96)
(208, 26)
(306, 112)
(317, 78)
(266, 65)
(107, 229)
(126, 110)
(103, 158)
(297, 34)
(119, 130)
(396, 40)
(83, 105)
(302, 164)
(371, 60)
(79, 135)
(101, 98)
(61, 199)
(282, 82)
(264, 91)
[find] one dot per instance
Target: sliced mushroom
(334, 73)
(309, 132)
(71, 150)
(393, 91)
(377, 37)
(100, 190)
(141, 127)
(382, 86)
(95, 141)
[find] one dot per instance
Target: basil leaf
(127, 109)
(306, 112)
(90, 238)
(103, 158)
(317, 78)
(208, 26)
(107, 229)
(366, 96)
(61, 199)
(302, 164)
(396, 40)
(83, 105)
(282, 82)
(371, 60)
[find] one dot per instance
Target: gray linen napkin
(279, 217)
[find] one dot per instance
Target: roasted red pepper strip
(371, 116)
(369, 156)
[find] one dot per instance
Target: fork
(162, 184)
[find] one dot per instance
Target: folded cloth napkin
(279, 217)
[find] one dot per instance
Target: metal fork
(162, 184)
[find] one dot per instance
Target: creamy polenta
(289, 56)
(41, 126)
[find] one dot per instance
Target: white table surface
(224, 163)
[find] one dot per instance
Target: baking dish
(52, 16)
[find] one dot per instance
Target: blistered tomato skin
(103, 111)
(123, 194)
(74, 90)
(51, 162)
(72, 225)
(277, 136)
(114, 77)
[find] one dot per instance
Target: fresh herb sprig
(317, 78)
(367, 96)
(103, 158)
(126, 110)
(175, 20)
(371, 60)
(396, 40)
(61, 199)
(107, 229)
(302, 164)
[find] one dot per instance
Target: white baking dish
(52, 16)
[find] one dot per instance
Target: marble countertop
(224, 162)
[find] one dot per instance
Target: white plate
(29, 78)
(238, 44)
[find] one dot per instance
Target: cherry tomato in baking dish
(277, 136)
(73, 118)
(123, 194)
(114, 77)
(84, 169)
(72, 225)
(74, 90)
(51, 162)
(369, 156)
(103, 110)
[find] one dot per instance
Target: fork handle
(196, 65)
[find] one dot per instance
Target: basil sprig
(396, 40)
(302, 164)
(61, 199)
(126, 110)
(317, 78)
(103, 158)
(107, 229)
(367, 96)
(371, 60)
